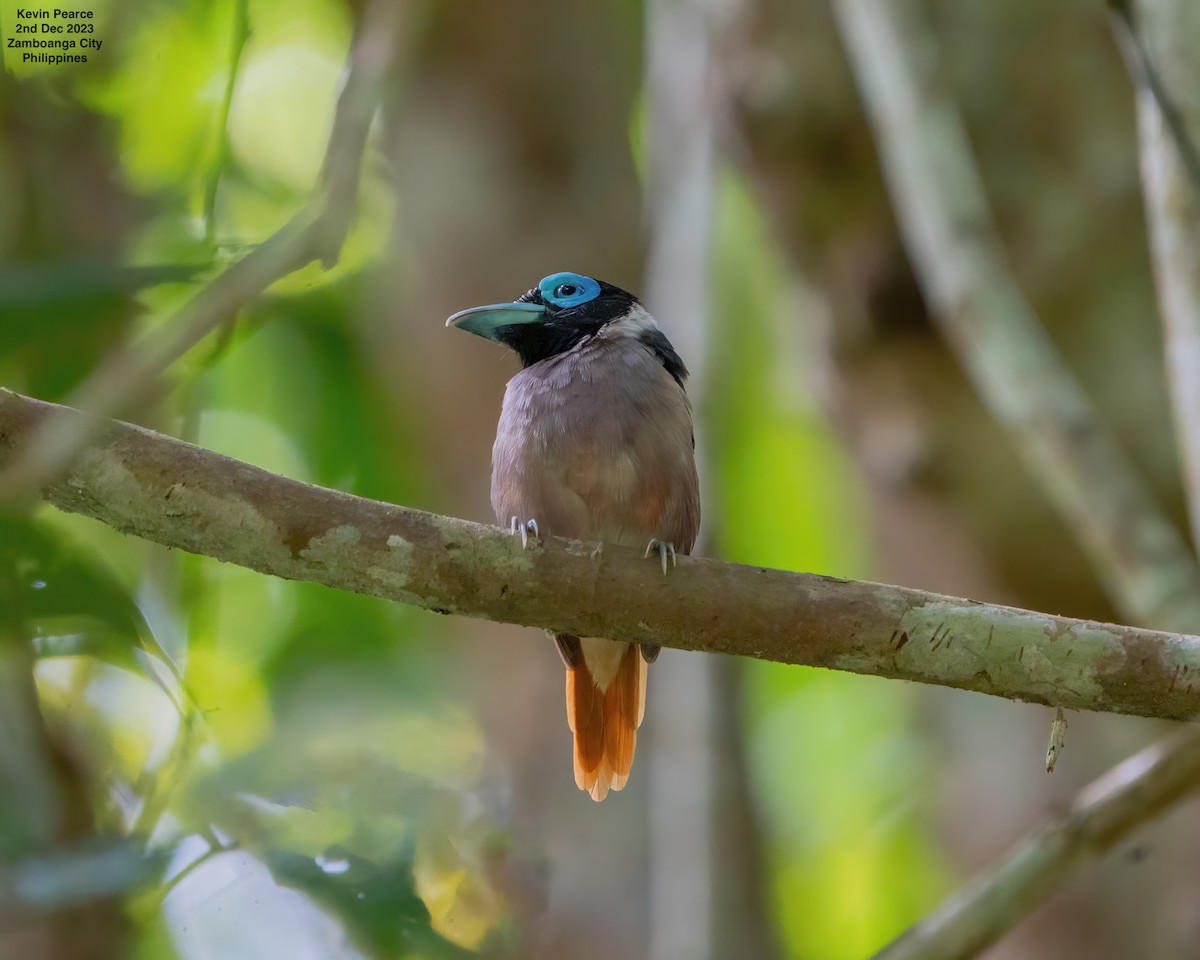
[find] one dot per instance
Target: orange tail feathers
(605, 720)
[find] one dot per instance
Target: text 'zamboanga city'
(54, 29)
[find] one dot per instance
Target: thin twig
(1104, 813)
(158, 787)
(132, 372)
(143, 483)
(241, 32)
(1168, 130)
(215, 849)
(1168, 16)
(1141, 558)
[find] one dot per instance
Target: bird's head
(562, 311)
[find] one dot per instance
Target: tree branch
(1105, 812)
(956, 252)
(180, 495)
(1168, 130)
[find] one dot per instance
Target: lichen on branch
(174, 493)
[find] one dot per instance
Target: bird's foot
(524, 528)
(664, 549)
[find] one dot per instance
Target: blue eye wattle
(568, 289)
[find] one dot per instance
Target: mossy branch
(180, 495)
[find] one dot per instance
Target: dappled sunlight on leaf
(167, 92)
(298, 829)
(374, 899)
(231, 694)
(251, 613)
(117, 713)
(281, 114)
(451, 869)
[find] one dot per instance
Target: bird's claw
(524, 528)
(664, 549)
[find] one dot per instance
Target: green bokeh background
(327, 775)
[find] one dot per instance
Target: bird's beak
(486, 321)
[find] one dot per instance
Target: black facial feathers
(563, 328)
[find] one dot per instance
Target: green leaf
(376, 902)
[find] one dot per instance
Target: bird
(594, 442)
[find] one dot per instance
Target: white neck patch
(634, 323)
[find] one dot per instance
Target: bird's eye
(566, 290)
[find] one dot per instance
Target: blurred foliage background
(251, 768)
